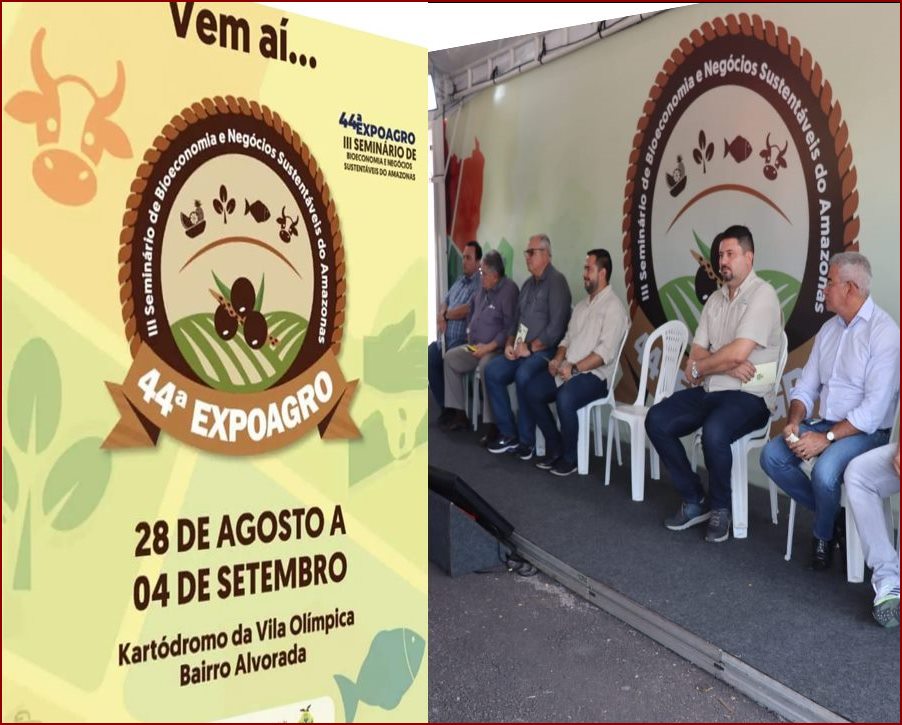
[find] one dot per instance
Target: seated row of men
(853, 370)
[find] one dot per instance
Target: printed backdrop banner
(214, 405)
(663, 135)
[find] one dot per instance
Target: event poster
(214, 408)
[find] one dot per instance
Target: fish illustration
(258, 210)
(387, 672)
(739, 148)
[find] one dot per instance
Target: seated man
(452, 323)
(870, 478)
(582, 368)
(740, 328)
(491, 316)
(854, 370)
(542, 310)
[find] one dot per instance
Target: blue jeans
(500, 373)
(821, 493)
(436, 372)
(724, 416)
(569, 397)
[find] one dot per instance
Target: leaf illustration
(10, 483)
(709, 152)
(507, 254)
(702, 247)
(230, 207)
(787, 288)
(223, 194)
(696, 154)
(217, 205)
(701, 139)
(258, 303)
(76, 483)
(35, 395)
(22, 574)
(680, 303)
(223, 290)
(455, 262)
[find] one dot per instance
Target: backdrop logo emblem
(740, 128)
(232, 287)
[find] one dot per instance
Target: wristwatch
(831, 436)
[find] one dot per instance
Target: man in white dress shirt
(854, 370)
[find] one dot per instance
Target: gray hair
(853, 267)
(544, 241)
(493, 261)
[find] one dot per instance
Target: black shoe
(490, 435)
(458, 421)
(546, 462)
(503, 445)
(445, 417)
(822, 555)
(524, 452)
(839, 531)
(563, 468)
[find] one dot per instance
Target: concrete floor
(508, 648)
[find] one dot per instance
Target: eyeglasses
(530, 252)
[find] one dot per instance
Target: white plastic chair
(674, 336)
(591, 413)
(739, 474)
(854, 550)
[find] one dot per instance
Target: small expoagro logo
(232, 287)
(740, 128)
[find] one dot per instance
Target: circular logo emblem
(232, 280)
(740, 128)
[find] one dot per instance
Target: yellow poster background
(67, 600)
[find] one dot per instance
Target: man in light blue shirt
(452, 323)
(854, 370)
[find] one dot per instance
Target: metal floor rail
(754, 684)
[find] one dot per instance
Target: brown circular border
(207, 107)
(789, 45)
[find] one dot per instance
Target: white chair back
(674, 336)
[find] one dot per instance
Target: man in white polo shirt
(739, 333)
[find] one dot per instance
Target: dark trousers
(569, 398)
(724, 416)
(436, 373)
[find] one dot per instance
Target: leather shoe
(490, 436)
(822, 555)
(458, 421)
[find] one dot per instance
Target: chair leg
(739, 483)
(612, 423)
(637, 462)
(476, 402)
(598, 432)
(540, 442)
(617, 434)
(790, 530)
(582, 442)
(694, 450)
(854, 552)
(774, 506)
(655, 461)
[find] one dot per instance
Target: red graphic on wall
(463, 195)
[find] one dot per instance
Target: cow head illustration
(64, 173)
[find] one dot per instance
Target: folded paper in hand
(764, 377)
